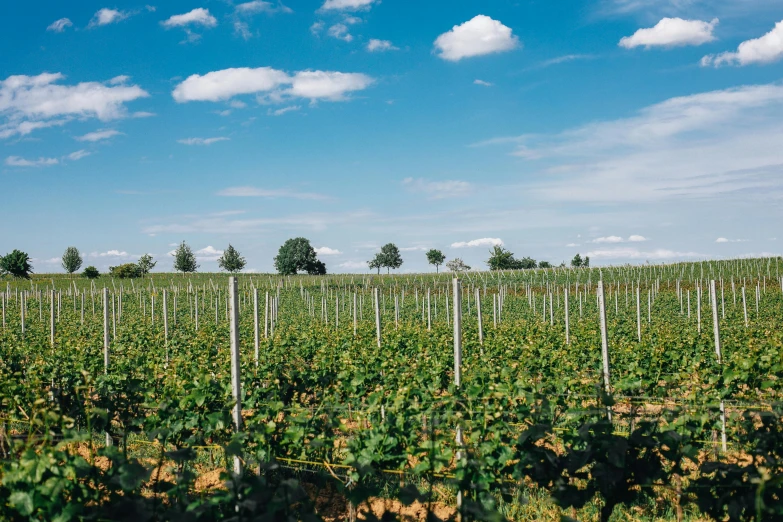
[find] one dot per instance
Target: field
(113, 410)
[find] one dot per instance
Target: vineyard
(622, 393)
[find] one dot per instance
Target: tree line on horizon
(295, 256)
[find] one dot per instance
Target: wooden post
(719, 353)
(604, 342)
(480, 320)
(376, 304)
(266, 317)
(256, 328)
(565, 295)
(105, 345)
(166, 322)
(236, 383)
(354, 314)
(51, 318)
(457, 298)
(638, 317)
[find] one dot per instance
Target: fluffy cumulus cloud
(672, 32)
(726, 240)
(112, 254)
(58, 26)
(636, 238)
(258, 192)
(28, 103)
(198, 16)
(277, 86)
(478, 36)
(340, 31)
(375, 45)
(108, 16)
(260, 6)
(437, 189)
(483, 242)
(99, 135)
(326, 251)
(346, 5)
(762, 50)
(208, 253)
(16, 161)
(617, 239)
(202, 141)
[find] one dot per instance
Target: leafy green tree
(184, 259)
(231, 261)
(527, 263)
(576, 262)
(390, 257)
(457, 265)
(126, 271)
(297, 254)
(72, 260)
(586, 262)
(544, 264)
(17, 264)
(91, 273)
(502, 259)
(146, 264)
(376, 262)
(435, 257)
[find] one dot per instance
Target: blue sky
(629, 130)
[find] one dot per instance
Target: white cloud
(376, 45)
(721, 240)
(672, 32)
(327, 85)
(116, 254)
(482, 82)
(705, 145)
(79, 154)
(315, 221)
(119, 80)
(438, 189)
(636, 238)
(765, 49)
(483, 242)
(347, 5)
(108, 16)
(725, 240)
(563, 59)
(202, 141)
(16, 161)
(226, 83)
(317, 27)
(29, 103)
(353, 265)
(414, 249)
(99, 135)
(478, 36)
(633, 253)
(270, 193)
(143, 114)
(208, 253)
(280, 112)
(58, 26)
(340, 31)
(198, 16)
(326, 251)
(608, 239)
(256, 6)
(572, 245)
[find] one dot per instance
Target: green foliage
(146, 264)
(457, 265)
(503, 259)
(435, 257)
(184, 259)
(91, 273)
(389, 257)
(17, 264)
(72, 260)
(579, 262)
(297, 255)
(126, 271)
(542, 264)
(231, 261)
(376, 262)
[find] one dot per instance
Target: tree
(578, 262)
(435, 257)
(544, 264)
(184, 259)
(231, 261)
(457, 265)
(72, 260)
(297, 255)
(502, 259)
(390, 256)
(91, 273)
(126, 271)
(146, 264)
(376, 262)
(17, 263)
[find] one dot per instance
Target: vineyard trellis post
(376, 305)
(256, 329)
(457, 300)
(236, 383)
(567, 333)
(719, 353)
(166, 323)
(105, 349)
(604, 342)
